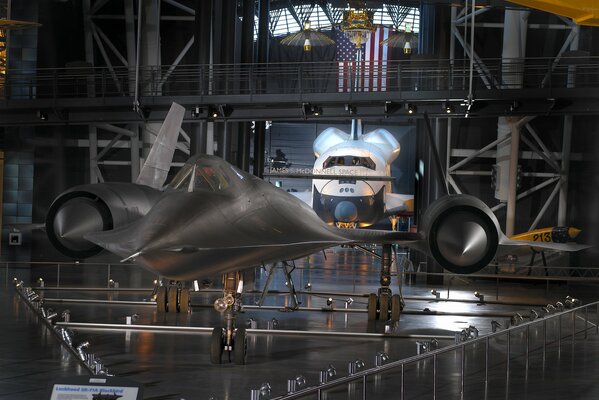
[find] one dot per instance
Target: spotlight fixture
(514, 106)
(436, 294)
(309, 109)
(410, 108)
(381, 358)
(196, 112)
(213, 112)
(480, 296)
(329, 301)
(495, 325)
(448, 108)
(391, 108)
(351, 110)
(42, 115)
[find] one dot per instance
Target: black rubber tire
(216, 346)
(161, 299)
(372, 307)
(184, 301)
(395, 307)
(240, 346)
(171, 301)
(384, 307)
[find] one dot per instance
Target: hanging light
(307, 38)
(307, 45)
(407, 48)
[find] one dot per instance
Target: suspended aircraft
(213, 218)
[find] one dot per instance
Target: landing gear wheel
(161, 299)
(184, 302)
(216, 346)
(171, 303)
(384, 307)
(372, 307)
(395, 307)
(240, 346)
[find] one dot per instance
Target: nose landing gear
(229, 340)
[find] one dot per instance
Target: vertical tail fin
(155, 169)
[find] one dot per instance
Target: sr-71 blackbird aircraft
(213, 218)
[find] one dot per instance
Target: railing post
(364, 387)
(486, 361)
(586, 320)
(559, 334)
(434, 376)
(463, 373)
(201, 77)
(527, 348)
(58, 275)
(544, 341)
(401, 397)
(507, 367)
(299, 79)
(399, 76)
(573, 326)
(251, 79)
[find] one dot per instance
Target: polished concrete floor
(174, 365)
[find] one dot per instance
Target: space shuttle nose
(346, 211)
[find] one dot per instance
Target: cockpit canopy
(206, 173)
(351, 161)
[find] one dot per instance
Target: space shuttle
(355, 189)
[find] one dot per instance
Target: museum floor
(176, 365)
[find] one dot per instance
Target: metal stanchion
(434, 376)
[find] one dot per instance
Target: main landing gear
(229, 340)
(385, 305)
(172, 297)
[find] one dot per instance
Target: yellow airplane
(558, 234)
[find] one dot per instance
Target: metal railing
(296, 78)
(470, 369)
(365, 274)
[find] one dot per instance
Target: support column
(135, 158)
(247, 56)
(260, 131)
(150, 59)
(227, 56)
(567, 141)
(512, 179)
(202, 50)
(514, 50)
(93, 155)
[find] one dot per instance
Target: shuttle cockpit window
(354, 161)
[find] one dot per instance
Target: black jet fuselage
(214, 219)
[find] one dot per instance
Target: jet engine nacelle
(462, 233)
(93, 208)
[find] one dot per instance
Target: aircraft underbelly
(181, 265)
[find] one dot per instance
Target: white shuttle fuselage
(352, 199)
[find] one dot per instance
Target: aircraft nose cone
(346, 211)
(462, 243)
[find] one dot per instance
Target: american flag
(372, 71)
